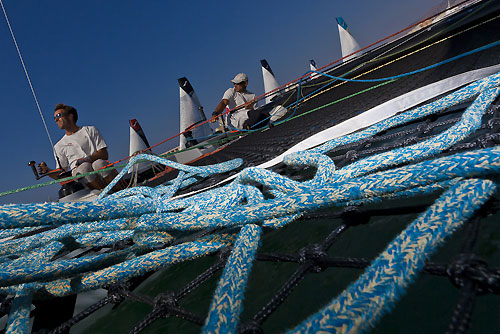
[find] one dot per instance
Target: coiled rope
(321, 90)
(150, 217)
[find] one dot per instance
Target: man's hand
(42, 168)
(219, 110)
(214, 118)
(83, 160)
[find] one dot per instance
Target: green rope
(410, 47)
(69, 178)
(9, 192)
(202, 145)
(337, 101)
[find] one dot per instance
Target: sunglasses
(59, 115)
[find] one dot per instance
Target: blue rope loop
(150, 217)
(382, 284)
(186, 178)
(305, 77)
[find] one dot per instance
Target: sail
(347, 42)
(191, 114)
(270, 82)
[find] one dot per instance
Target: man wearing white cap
(238, 96)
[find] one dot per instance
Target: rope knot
(166, 300)
(472, 267)
(117, 292)
(315, 254)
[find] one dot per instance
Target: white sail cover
(191, 114)
(312, 66)
(138, 143)
(347, 42)
(270, 82)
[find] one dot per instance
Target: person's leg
(254, 117)
(108, 175)
(238, 119)
(93, 181)
(119, 185)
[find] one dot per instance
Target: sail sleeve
(270, 82)
(347, 42)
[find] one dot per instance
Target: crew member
(247, 115)
(82, 149)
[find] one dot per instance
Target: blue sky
(117, 60)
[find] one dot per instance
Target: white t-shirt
(236, 99)
(80, 144)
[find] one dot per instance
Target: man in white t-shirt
(239, 96)
(81, 150)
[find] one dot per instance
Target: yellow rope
(402, 57)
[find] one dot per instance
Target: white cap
(240, 77)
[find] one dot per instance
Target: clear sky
(115, 60)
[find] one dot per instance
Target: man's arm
(219, 109)
(99, 154)
(44, 169)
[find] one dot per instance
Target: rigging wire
(109, 166)
(324, 68)
(28, 77)
(304, 98)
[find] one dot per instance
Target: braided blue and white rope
(376, 291)
(149, 217)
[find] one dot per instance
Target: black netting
(304, 265)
